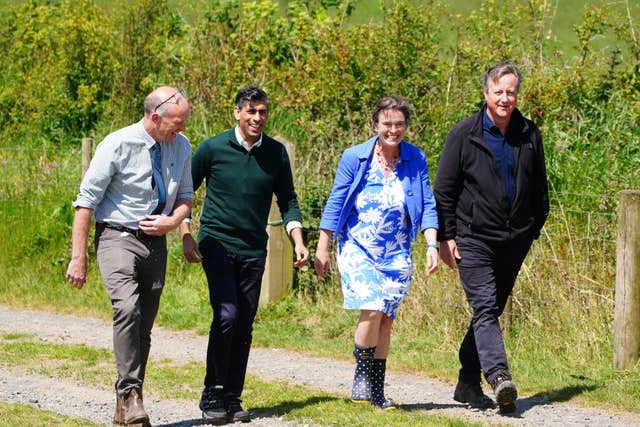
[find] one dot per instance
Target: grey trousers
(133, 270)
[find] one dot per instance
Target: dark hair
(392, 102)
(249, 94)
(494, 74)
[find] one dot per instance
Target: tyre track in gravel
(412, 391)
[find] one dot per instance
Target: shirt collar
(244, 144)
(489, 125)
(148, 140)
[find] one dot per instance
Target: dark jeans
(488, 273)
(234, 292)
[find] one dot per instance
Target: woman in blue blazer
(380, 199)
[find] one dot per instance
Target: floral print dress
(374, 248)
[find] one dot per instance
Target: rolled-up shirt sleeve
(185, 188)
(97, 178)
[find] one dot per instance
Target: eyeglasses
(182, 92)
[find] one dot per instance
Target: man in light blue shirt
(139, 187)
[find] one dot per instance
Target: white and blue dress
(374, 247)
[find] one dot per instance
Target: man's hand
(302, 255)
(301, 251)
(157, 225)
(77, 272)
(449, 253)
(190, 249)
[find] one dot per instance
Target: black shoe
(472, 395)
(212, 404)
(235, 413)
(506, 393)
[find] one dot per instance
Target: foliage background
(75, 69)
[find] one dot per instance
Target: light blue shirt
(117, 185)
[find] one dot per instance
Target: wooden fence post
(86, 154)
(626, 322)
(278, 273)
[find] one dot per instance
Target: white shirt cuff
(293, 224)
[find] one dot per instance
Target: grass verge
(168, 380)
(14, 415)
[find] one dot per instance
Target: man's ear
(236, 112)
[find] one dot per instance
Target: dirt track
(79, 400)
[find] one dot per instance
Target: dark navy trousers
(488, 273)
(234, 292)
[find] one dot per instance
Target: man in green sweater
(243, 168)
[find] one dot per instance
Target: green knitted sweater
(239, 189)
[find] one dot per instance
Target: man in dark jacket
(492, 200)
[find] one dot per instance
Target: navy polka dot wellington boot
(361, 391)
(378, 372)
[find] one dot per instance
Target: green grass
(170, 379)
(15, 415)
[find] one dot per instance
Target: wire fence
(580, 232)
(576, 247)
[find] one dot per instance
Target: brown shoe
(118, 416)
(134, 412)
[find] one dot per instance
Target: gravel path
(412, 391)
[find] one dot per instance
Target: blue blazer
(414, 175)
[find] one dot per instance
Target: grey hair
(496, 72)
(392, 102)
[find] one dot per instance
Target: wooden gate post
(86, 154)
(626, 322)
(278, 272)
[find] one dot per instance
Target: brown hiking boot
(118, 416)
(134, 412)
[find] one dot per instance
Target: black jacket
(470, 195)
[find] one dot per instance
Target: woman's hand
(432, 260)
(322, 263)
